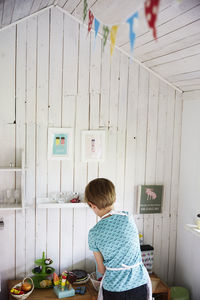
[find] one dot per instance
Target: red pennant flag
(151, 12)
(91, 18)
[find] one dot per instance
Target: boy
(115, 243)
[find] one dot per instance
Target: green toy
(43, 271)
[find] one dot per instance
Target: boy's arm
(99, 259)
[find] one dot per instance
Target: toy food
(71, 277)
(16, 291)
(45, 283)
(26, 287)
(48, 261)
(55, 279)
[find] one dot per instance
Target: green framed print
(60, 143)
(150, 199)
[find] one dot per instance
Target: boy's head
(100, 192)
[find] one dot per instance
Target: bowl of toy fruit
(23, 289)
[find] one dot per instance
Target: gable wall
(51, 76)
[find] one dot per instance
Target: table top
(40, 294)
(162, 286)
(91, 294)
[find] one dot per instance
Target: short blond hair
(100, 192)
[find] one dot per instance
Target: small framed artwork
(60, 144)
(150, 199)
(93, 145)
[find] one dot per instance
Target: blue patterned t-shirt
(116, 237)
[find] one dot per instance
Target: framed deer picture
(150, 199)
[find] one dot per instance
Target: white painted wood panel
(62, 81)
(121, 129)
(41, 130)
(20, 140)
(54, 120)
(7, 154)
(31, 82)
(130, 190)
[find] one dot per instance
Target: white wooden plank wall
(50, 65)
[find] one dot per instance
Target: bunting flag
(85, 6)
(105, 35)
(131, 32)
(113, 35)
(96, 26)
(151, 12)
(91, 18)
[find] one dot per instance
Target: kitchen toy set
(44, 277)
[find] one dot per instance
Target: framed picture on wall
(150, 199)
(60, 143)
(93, 145)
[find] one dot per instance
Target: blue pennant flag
(131, 32)
(96, 26)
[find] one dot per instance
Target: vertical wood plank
(111, 157)
(55, 107)
(42, 124)
(67, 183)
(131, 135)
(174, 187)
(31, 141)
(105, 87)
(70, 81)
(80, 180)
(167, 182)
(20, 140)
(162, 127)
(80, 171)
(7, 155)
(71, 37)
(83, 71)
(150, 175)
(141, 135)
(93, 167)
(121, 129)
(7, 75)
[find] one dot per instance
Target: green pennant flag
(85, 6)
(105, 35)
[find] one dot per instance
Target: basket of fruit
(23, 289)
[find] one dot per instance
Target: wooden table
(42, 294)
(162, 289)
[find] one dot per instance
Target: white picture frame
(60, 143)
(93, 145)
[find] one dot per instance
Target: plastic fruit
(26, 287)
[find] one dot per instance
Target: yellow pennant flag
(113, 34)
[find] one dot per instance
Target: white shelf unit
(193, 228)
(22, 169)
(48, 203)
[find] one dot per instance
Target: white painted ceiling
(175, 56)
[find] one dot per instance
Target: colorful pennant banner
(85, 6)
(96, 26)
(91, 18)
(151, 12)
(105, 35)
(131, 32)
(113, 35)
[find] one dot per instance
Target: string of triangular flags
(151, 12)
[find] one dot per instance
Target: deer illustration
(150, 194)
